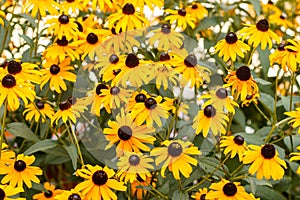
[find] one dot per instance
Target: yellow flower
(95, 97)
(295, 114)
(181, 17)
(132, 165)
(111, 69)
(230, 47)
(21, 171)
(7, 156)
(8, 192)
(226, 190)
(176, 156)
(234, 145)
(50, 194)
(280, 20)
(259, 34)
(73, 194)
(129, 136)
(265, 161)
(71, 5)
(2, 15)
(38, 111)
(136, 97)
(291, 59)
(270, 8)
(150, 3)
(165, 77)
(251, 98)
(201, 194)
(197, 10)
(99, 182)
(138, 192)
(212, 119)
(278, 55)
(101, 3)
(41, 6)
(296, 157)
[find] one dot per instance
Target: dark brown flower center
(175, 149)
(54, 69)
(92, 38)
(190, 60)
(202, 197)
(243, 73)
(8, 81)
(231, 38)
(164, 57)
(20, 165)
(124, 133)
(65, 105)
(194, 6)
(182, 12)
(113, 59)
(14, 67)
(63, 19)
(221, 93)
(100, 87)
(282, 17)
(70, 1)
(63, 41)
(140, 98)
(48, 194)
(74, 197)
(72, 100)
(239, 140)
(209, 111)
(2, 194)
(262, 25)
(268, 151)
(128, 9)
(40, 105)
(270, 2)
(229, 189)
(134, 160)
(114, 90)
(150, 103)
(100, 177)
(166, 28)
(79, 27)
(132, 61)
(281, 47)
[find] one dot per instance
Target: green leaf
(268, 101)
(251, 138)
(256, 5)
(264, 59)
(19, 129)
(72, 151)
(29, 18)
(28, 40)
(262, 81)
(208, 22)
(267, 193)
(209, 164)
(286, 102)
(180, 195)
(41, 146)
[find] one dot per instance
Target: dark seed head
(140, 98)
(190, 60)
(114, 90)
(210, 111)
(63, 41)
(182, 12)
(100, 87)
(243, 73)
(134, 160)
(100, 177)
(92, 38)
(194, 6)
(113, 59)
(48, 194)
(2, 194)
(63, 19)
(150, 103)
(74, 197)
(70, 1)
(8, 81)
(221, 93)
(268, 151)
(164, 57)
(54, 69)
(166, 28)
(231, 38)
(124, 133)
(128, 9)
(116, 71)
(65, 105)
(72, 100)
(202, 197)
(282, 17)
(239, 140)
(14, 67)
(132, 60)
(175, 149)
(229, 189)
(20, 165)
(79, 27)
(262, 25)
(281, 47)
(40, 105)
(270, 2)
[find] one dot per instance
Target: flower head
(50, 194)
(181, 17)
(295, 156)
(38, 111)
(295, 114)
(234, 145)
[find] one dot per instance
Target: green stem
(262, 113)
(275, 98)
(37, 35)
(292, 90)
(77, 144)
(250, 57)
(237, 169)
(270, 134)
(2, 126)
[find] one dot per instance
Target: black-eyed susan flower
(131, 165)
(2, 15)
(137, 191)
(270, 8)
(21, 172)
(230, 47)
(181, 17)
(73, 194)
(280, 19)
(63, 25)
(8, 192)
(50, 192)
(226, 190)
(277, 55)
(251, 98)
(61, 49)
(295, 156)
(110, 71)
(176, 156)
(212, 119)
(38, 111)
(165, 77)
(129, 136)
(12, 89)
(71, 6)
(85, 23)
(164, 38)
(265, 161)
(95, 97)
(152, 110)
(241, 83)
(169, 60)
(201, 194)
(150, 3)
(259, 34)
(220, 100)
(295, 114)
(127, 19)
(41, 7)
(233, 145)
(136, 97)
(197, 10)
(181, 107)
(56, 74)
(98, 183)
(192, 73)
(291, 59)
(7, 156)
